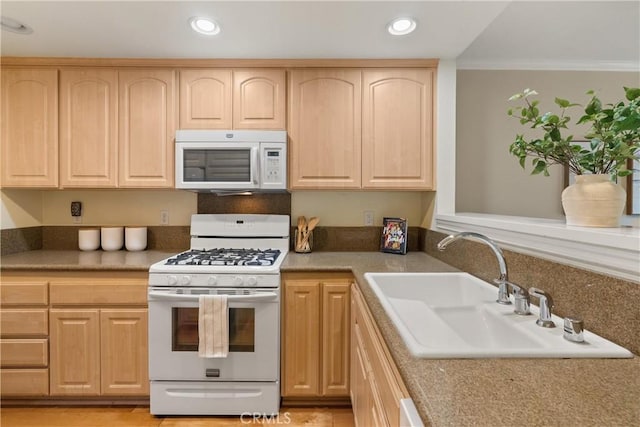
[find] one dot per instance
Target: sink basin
(454, 315)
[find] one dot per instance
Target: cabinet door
(259, 99)
(88, 128)
(325, 129)
(361, 399)
(397, 129)
(29, 128)
(124, 352)
(75, 352)
(147, 116)
(301, 339)
(335, 338)
(205, 99)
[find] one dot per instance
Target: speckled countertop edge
(61, 260)
(447, 392)
(492, 392)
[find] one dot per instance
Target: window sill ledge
(610, 251)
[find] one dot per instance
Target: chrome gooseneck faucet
(521, 295)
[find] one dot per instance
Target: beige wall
(488, 178)
(342, 209)
(119, 207)
(20, 208)
(28, 208)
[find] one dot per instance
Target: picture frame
(394, 235)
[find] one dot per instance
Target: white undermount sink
(454, 315)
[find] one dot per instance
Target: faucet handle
(573, 329)
(520, 299)
(546, 302)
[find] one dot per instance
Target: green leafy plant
(614, 135)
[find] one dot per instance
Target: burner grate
(222, 257)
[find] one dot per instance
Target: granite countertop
(492, 392)
(446, 392)
(79, 260)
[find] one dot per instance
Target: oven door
(254, 336)
(218, 165)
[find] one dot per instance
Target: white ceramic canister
(88, 239)
(135, 238)
(112, 238)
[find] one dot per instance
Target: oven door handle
(264, 296)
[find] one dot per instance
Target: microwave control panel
(273, 166)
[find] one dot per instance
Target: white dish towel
(213, 326)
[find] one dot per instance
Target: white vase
(593, 201)
(112, 238)
(135, 238)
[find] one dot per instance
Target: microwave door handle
(230, 298)
(255, 165)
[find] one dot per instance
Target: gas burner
(218, 257)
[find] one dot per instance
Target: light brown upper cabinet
(259, 99)
(205, 99)
(88, 127)
(397, 124)
(29, 128)
(232, 99)
(391, 148)
(325, 128)
(147, 125)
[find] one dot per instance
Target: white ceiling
(480, 34)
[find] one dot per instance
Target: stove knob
(172, 280)
(251, 281)
(238, 281)
(185, 280)
(212, 280)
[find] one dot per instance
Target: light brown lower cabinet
(99, 352)
(376, 385)
(74, 334)
(315, 335)
(75, 352)
(24, 330)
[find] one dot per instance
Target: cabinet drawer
(24, 293)
(16, 353)
(88, 293)
(24, 322)
(24, 382)
(389, 392)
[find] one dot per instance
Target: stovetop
(233, 250)
(225, 257)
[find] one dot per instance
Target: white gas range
(238, 256)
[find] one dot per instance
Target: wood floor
(140, 417)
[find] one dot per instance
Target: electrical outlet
(164, 217)
(76, 219)
(368, 217)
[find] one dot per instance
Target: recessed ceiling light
(401, 26)
(204, 26)
(14, 26)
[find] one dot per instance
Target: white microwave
(221, 161)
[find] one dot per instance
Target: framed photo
(394, 235)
